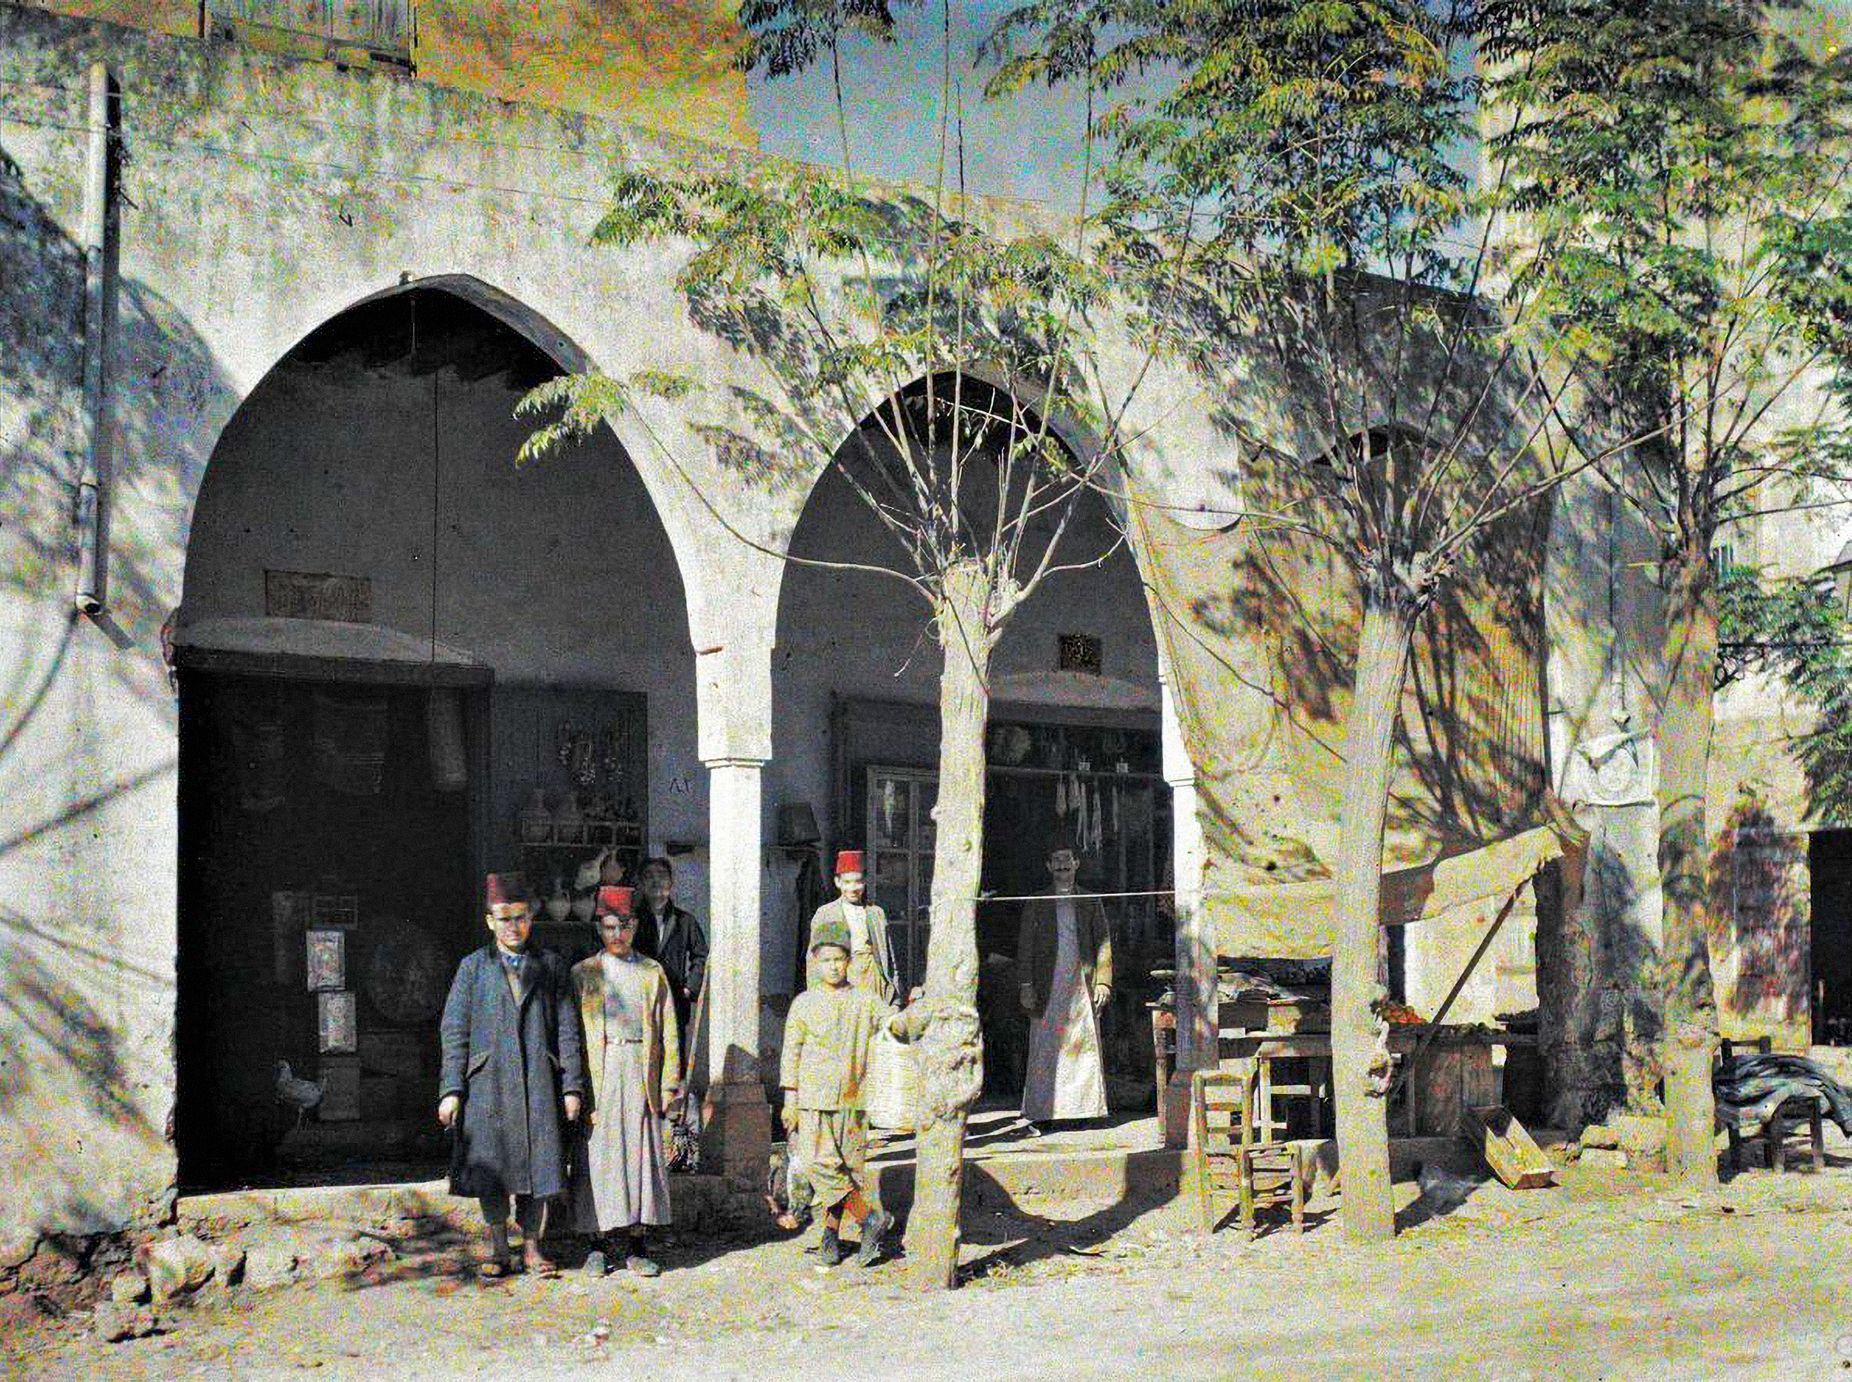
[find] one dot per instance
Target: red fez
(848, 861)
(504, 888)
(614, 901)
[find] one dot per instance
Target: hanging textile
(444, 723)
(1260, 631)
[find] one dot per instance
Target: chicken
(301, 1095)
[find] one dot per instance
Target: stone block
(128, 1288)
(227, 1264)
(1610, 1158)
(1643, 1139)
(1599, 1135)
(347, 1256)
(269, 1264)
(115, 1321)
(175, 1266)
(16, 1250)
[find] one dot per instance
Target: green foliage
(1306, 135)
(1286, 191)
(919, 353)
(1678, 174)
(784, 37)
(1797, 630)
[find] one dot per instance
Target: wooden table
(1456, 1070)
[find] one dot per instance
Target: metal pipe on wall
(92, 509)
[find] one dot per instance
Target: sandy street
(1608, 1275)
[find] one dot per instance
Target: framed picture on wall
(326, 952)
(337, 1024)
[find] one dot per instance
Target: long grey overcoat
(511, 1061)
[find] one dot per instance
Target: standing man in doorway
(1064, 960)
(871, 951)
(670, 935)
(513, 1065)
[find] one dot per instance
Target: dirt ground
(1610, 1274)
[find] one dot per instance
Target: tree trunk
(1684, 743)
(1359, 1059)
(951, 1047)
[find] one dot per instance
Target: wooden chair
(1303, 1078)
(1788, 1114)
(1226, 1145)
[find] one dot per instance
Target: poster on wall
(326, 960)
(337, 1023)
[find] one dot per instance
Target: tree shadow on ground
(451, 1242)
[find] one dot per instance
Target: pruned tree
(1678, 200)
(1301, 161)
(841, 293)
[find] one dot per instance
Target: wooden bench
(1775, 1130)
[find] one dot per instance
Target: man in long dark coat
(513, 1065)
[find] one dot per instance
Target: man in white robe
(1064, 957)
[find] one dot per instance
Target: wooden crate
(1511, 1152)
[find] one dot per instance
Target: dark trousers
(530, 1212)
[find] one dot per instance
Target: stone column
(733, 689)
(1195, 982)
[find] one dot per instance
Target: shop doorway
(1072, 740)
(1094, 787)
(405, 661)
(1829, 861)
(329, 842)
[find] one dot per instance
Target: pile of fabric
(1750, 1088)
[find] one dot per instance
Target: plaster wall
(1597, 958)
(259, 199)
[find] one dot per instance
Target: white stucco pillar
(734, 698)
(734, 904)
(1195, 982)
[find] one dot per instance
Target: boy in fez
(512, 1065)
(825, 1060)
(871, 954)
(634, 1057)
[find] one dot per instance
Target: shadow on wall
(67, 1089)
(1760, 936)
(169, 397)
(83, 1026)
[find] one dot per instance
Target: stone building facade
(333, 285)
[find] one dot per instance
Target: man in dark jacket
(671, 936)
(512, 1066)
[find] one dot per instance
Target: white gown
(1064, 1077)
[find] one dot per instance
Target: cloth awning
(324, 648)
(1299, 920)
